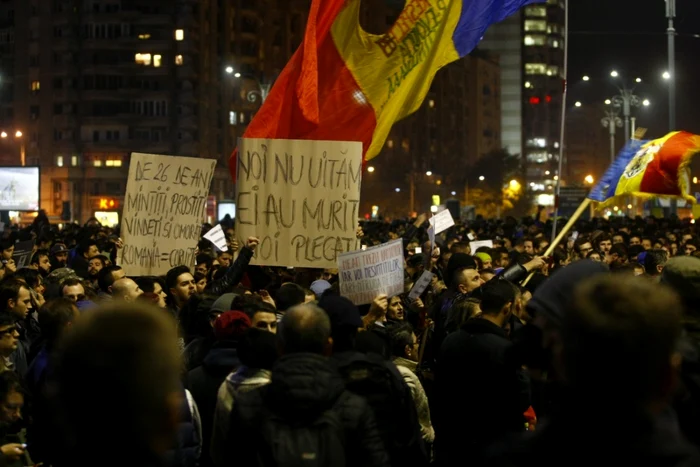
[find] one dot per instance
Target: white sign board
(442, 221)
(300, 198)
(421, 284)
(164, 207)
(365, 274)
(217, 236)
(481, 243)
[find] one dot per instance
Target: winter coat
(407, 369)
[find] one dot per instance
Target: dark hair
(288, 296)
(6, 244)
(148, 283)
(29, 276)
(103, 259)
(401, 335)
(53, 318)
(105, 278)
(9, 290)
(634, 251)
(653, 259)
(172, 275)
(84, 246)
(204, 258)
(495, 295)
(198, 276)
(258, 349)
(461, 311)
(36, 257)
(7, 319)
(619, 249)
(304, 328)
(10, 382)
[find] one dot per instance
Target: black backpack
(379, 382)
(280, 442)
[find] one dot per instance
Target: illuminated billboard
(19, 188)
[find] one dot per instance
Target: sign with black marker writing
(164, 207)
(300, 198)
(365, 274)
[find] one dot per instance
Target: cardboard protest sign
(217, 236)
(421, 284)
(478, 244)
(23, 253)
(365, 274)
(164, 207)
(442, 221)
(300, 198)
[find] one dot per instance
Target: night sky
(630, 37)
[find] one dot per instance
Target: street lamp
(638, 80)
(666, 75)
(482, 178)
(589, 179)
(370, 169)
(614, 74)
(252, 96)
(646, 102)
(229, 69)
(22, 148)
(612, 121)
(586, 78)
(577, 104)
(608, 102)
(429, 173)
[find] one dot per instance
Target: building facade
(87, 82)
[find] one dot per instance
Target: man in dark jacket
(222, 359)
(269, 424)
(618, 351)
(480, 396)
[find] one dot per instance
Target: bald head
(126, 289)
(305, 328)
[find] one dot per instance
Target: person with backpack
(377, 380)
(304, 416)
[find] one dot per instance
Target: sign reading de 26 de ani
(165, 205)
(300, 198)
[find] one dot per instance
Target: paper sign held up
(365, 274)
(164, 207)
(217, 236)
(442, 221)
(300, 198)
(421, 284)
(481, 243)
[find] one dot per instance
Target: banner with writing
(23, 253)
(378, 270)
(300, 198)
(164, 207)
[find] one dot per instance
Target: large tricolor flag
(646, 169)
(346, 84)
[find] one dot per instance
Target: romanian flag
(344, 84)
(650, 168)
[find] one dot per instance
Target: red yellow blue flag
(648, 169)
(345, 84)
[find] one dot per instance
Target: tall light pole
(625, 101)
(22, 148)
(671, 31)
(612, 121)
(255, 94)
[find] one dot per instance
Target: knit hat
(223, 303)
(458, 261)
(341, 311)
(484, 257)
(318, 287)
(682, 274)
(231, 325)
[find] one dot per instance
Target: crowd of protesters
(509, 357)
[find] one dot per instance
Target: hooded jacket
(303, 387)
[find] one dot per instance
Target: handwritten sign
(421, 284)
(365, 274)
(481, 243)
(23, 253)
(300, 198)
(442, 221)
(217, 236)
(164, 207)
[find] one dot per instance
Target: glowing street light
(614, 74)
(586, 78)
(370, 169)
(578, 104)
(3, 135)
(454, 193)
(608, 102)
(18, 134)
(589, 179)
(547, 172)
(666, 75)
(646, 103)
(515, 185)
(429, 173)
(229, 69)
(398, 190)
(482, 178)
(638, 80)
(237, 75)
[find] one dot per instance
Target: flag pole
(563, 119)
(581, 209)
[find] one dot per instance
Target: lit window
(241, 118)
(540, 11)
(232, 117)
(178, 60)
(553, 29)
(179, 34)
(97, 163)
(74, 161)
(535, 68)
(539, 25)
(157, 61)
(552, 70)
(143, 59)
(528, 84)
(109, 163)
(59, 161)
(144, 36)
(537, 157)
(536, 143)
(531, 40)
(431, 103)
(35, 86)
(554, 43)
(390, 143)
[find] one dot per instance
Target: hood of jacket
(304, 385)
(554, 296)
(221, 361)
